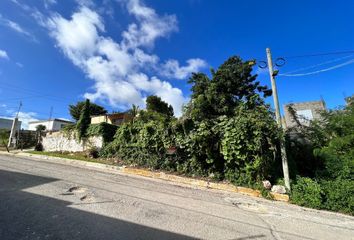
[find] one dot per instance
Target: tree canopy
(94, 109)
(40, 128)
(230, 85)
(155, 104)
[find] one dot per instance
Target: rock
(278, 189)
(267, 185)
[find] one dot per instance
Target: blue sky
(117, 52)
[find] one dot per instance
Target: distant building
(6, 124)
(305, 112)
(114, 118)
(55, 124)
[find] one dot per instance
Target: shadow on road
(25, 215)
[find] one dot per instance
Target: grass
(76, 156)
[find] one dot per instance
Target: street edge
(156, 175)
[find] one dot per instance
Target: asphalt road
(46, 200)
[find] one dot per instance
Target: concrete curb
(156, 175)
(202, 183)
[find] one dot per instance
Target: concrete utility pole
(12, 138)
(278, 118)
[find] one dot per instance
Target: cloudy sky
(117, 52)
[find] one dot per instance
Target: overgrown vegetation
(327, 147)
(226, 131)
(107, 131)
(84, 122)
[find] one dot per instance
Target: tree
(134, 111)
(75, 110)
(232, 84)
(155, 104)
(40, 128)
(84, 121)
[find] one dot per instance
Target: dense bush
(240, 149)
(38, 147)
(306, 192)
(325, 151)
(84, 122)
(140, 142)
(339, 195)
(248, 144)
(226, 131)
(107, 131)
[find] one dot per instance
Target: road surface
(47, 200)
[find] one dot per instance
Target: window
(304, 115)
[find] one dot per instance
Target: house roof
(55, 120)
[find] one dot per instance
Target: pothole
(87, 198)
(77, 189)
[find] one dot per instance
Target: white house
(55, 124)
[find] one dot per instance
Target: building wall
(115, 119)
(7, 124)
(58, 125)
(306, 111)
(100, 119)
(57, 141)
(51, 125)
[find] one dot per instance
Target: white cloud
(120, 69)
(20, 65)
(172, 69)
(149, 27)
(16, 27)
(49, 3)
(26, 117)
(85, 3)
(3, 54)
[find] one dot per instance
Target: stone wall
(58, 141)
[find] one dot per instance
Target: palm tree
(134, 111)
(39, 129)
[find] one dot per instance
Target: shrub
(306, 192)
(92, 153)
(38, 147)
(338, 158)
(106, 130)
(84, 121)
(248, 144)
(339, 195)
(140, 142)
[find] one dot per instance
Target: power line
(320, 54)
(319, 71)
(317, 65)
(47, 96)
